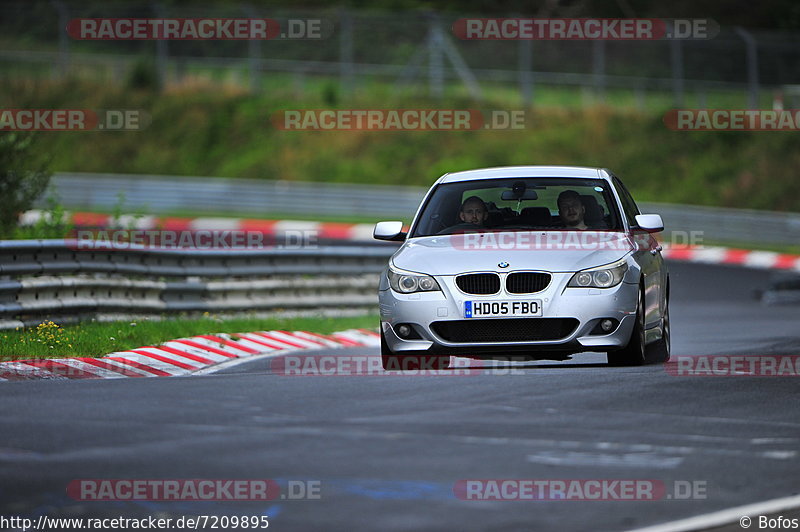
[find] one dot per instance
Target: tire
(662, 349)
(633, 354)
(410, 360)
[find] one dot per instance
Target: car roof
(526, 171)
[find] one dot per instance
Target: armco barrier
(56, 279)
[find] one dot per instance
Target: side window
(628, 205)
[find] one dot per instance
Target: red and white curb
(184, 355)
(736, 257)
(268, 228)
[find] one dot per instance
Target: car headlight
(409, 282)
(603, 277)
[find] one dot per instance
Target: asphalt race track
(387, 450)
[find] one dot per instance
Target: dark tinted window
(515, 204)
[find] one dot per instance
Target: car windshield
(519, 204)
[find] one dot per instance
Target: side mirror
(392, 231)
(651, 223)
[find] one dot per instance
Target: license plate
(504, 309)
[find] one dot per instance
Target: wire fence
(411, 51)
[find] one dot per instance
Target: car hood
(555, 251)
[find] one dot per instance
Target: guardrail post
(526, 71)
(676, 60)
(435, 58)
(253, 54)
(752, 66)
(599, 68)
(161, 50)
(346, 70)
(63, 38)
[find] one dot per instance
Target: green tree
(23, 178)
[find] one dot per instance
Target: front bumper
(586, 305)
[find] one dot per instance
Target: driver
(473, 211)
(571, 210)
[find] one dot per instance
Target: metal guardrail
(53, 279)
(721, 225)
(165, 194)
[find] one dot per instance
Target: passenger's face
(474, 213)
(572, 211)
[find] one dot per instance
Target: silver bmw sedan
(524, 262)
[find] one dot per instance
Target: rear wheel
(632, 354)
(410, 360)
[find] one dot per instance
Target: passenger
(473, 211)
(571, 210)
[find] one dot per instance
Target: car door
(647, 255)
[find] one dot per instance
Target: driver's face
(474, 213)
(572, 211)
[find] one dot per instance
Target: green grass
(96, 339)
(210, 131)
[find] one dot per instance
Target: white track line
(728, 516)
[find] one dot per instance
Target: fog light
(606, 325)
(404, 330)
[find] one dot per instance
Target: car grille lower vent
(505, 330)
(479, 283)
(527, 282)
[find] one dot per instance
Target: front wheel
(634, 353)
(662, 348)
(410, 360)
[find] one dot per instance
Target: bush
(23, 178)
(143, 76)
